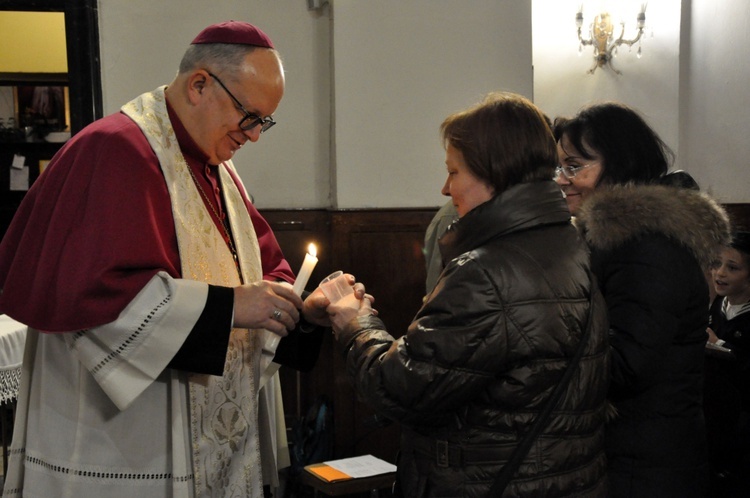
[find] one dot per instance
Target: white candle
(307, 267)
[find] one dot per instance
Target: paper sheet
(19, 161)
(710, 345)
(362, 466)
(19, 178)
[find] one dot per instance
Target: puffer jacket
(485, 351)
(650, 248)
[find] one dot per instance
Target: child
(729, 324)
(727, 394)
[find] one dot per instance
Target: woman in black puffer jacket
(651, 245)
(494, 337)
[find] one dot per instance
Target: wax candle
(307, 267)
(268, 368)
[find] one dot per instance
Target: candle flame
(312, 250)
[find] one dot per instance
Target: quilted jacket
(486, 349)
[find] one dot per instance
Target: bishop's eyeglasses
(250, 120)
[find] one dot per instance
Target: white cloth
(732, 310)
(89, 400)
(12, 339)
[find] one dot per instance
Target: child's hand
(712, 338)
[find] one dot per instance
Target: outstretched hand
(342, 313)
(269, 305)
(316, 306)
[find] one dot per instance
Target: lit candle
(268, 368)
(307, 267)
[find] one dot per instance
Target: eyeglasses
(570, 172)
(249, 120)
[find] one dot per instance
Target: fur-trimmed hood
(613, 215)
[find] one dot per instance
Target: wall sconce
(601, 36)
(316, 4)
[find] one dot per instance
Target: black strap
(498, 487)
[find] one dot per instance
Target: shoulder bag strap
(523, 447)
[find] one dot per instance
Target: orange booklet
(350, 468)
(327, 473)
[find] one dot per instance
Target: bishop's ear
(196, 84)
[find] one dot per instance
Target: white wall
(690, 84)
(142, 42)
(400, 69)
(715, 120)
(397, 68)
(562, 84)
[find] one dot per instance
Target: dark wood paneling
(739, 214)
(382, 249)
(295, 230)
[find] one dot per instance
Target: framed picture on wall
(41, 110)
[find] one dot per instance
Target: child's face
(731, 276)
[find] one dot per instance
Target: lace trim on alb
(9, 380)
(105, 475)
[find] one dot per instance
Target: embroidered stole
(223, 410)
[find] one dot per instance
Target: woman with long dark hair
(651, 242)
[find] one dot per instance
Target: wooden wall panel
(383, 249)
(739, 214)
(295, 230)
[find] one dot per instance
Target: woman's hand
(315, 307)
(345, 312)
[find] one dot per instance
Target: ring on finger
(276, 315)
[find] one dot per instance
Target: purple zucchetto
(234, 32)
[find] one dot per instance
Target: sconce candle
(306, 270)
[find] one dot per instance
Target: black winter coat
(727, 394)
(651, 246)
(483, 354)
(736, 333)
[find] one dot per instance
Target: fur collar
(615, 214)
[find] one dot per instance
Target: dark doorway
(82, 101)
(82, 38)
